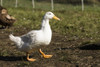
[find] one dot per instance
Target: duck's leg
(29, 59)
(45, 56)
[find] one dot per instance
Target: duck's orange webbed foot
(30, 59)
(45, 56)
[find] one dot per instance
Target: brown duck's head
(4, 11)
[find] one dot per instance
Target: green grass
(47, 5)
(74, 23)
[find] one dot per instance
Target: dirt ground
(66, 52)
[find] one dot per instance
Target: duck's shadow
(12, 58)
(83, 47)
(90, 47)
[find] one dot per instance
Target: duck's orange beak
(56, 18)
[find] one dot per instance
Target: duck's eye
(49, 13)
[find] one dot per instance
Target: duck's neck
(45, 24)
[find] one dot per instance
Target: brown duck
(5, 19)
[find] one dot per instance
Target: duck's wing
(29, 37)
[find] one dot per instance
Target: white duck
(35, 38)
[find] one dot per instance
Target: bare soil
(66, 52)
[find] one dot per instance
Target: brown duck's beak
(56, 18)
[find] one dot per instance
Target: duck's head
(50, 15)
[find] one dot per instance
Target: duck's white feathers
(32, 39)
(35, 37)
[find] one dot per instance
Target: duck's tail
(12, 38)
(15, 39)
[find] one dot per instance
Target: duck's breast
(43, 38)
